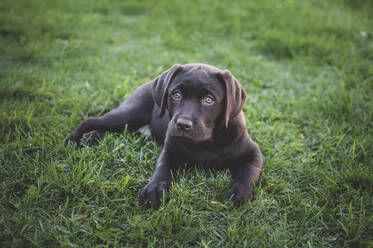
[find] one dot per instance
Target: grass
(307, 67)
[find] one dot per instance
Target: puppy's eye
(208, 100)
(176, 95)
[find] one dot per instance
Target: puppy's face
(195, 105)
(198, 97)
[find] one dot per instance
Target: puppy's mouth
(185, 137)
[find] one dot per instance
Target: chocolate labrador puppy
(196, 111)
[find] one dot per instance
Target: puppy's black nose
(184, 124)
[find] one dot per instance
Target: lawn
(307, 67)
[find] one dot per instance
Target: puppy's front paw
(91, 138)
(73, 138)
(152, 193)
(239, 193)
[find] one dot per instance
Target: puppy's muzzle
(184, 124)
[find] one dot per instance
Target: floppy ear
(235, 96)
(160, 87)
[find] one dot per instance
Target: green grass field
(307, 67)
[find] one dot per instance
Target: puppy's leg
(134, 112)
(153, 193)
(245, 177)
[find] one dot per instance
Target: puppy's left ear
(160, 87)
(235, 96)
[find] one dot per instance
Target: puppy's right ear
(160, 87)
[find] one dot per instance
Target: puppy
(195, 110)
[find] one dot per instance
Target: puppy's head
(198, 98)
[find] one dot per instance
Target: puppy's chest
(209, 158)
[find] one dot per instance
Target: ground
(307, 67)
